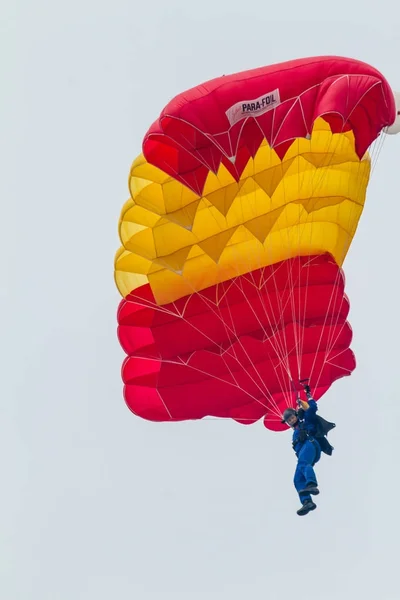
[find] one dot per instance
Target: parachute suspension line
(275, 330)
(317, 182)
(238, 282)
(298, 325)
(331, 339)
(291, 298)
(301, 333)
(230, 351)
(284, 235)
(222, 350)
(283, 328)
(277, 348)
(280, 329)
(180, 361)
(333, 324)
(262, 379)
(299, 319)
(298, 322)
(290, 280)
(301, 322)
(374, 153)
(284, 355)
(302, 330)
(325, 323)
(290, 275)
(332, 301)
(376, 149)
(299, 338)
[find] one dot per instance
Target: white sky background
(96, 504)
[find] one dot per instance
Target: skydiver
(308, 440)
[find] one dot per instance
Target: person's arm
(308, 405)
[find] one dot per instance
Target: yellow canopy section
(179, 243)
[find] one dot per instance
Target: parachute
(243, 206)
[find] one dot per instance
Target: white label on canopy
(253, 108)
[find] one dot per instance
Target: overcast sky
(96, 504)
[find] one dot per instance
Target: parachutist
(235, 291)
(308, 441)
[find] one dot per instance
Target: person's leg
(308, 456)
(307, 503)
(300, 483)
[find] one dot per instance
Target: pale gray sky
(96, 504)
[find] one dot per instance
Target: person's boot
(307, 506)
(311, 488)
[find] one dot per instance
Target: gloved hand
(303, 404)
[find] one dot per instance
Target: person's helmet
(289, 412)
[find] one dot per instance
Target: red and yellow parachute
(243, 206)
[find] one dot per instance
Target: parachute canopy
(243, 206)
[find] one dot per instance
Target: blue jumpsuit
(308, 452)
